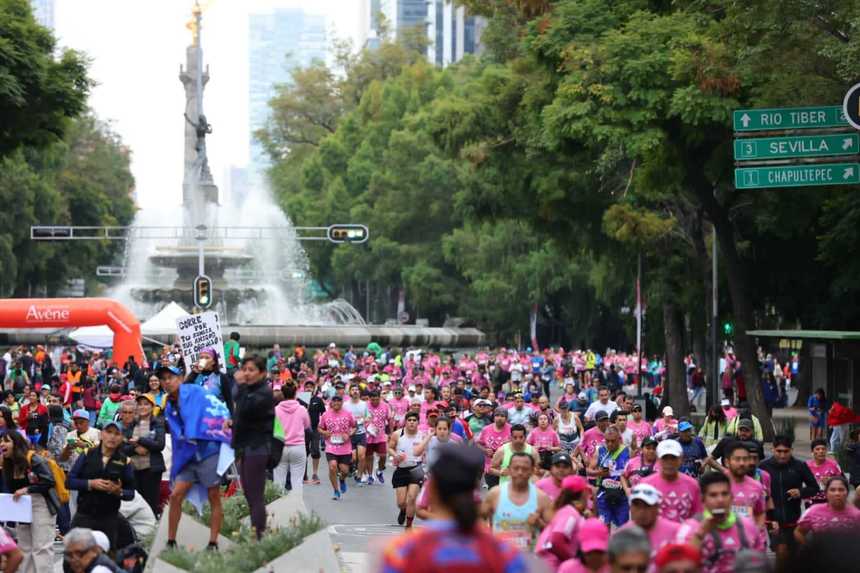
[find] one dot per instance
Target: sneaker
(409, 522)
(357, 478)
(369, 480)
(171, 544)
(363, 480)
(336, 495)
(401, 517)
(380, 477)
(315, 479)
(212, 546)
(342, 485)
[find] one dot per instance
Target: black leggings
(148, 484)
(252, 473)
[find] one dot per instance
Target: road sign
(788, 118)
(797, 175)
(802, 146)
(851, 106)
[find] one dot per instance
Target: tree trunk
(743, 317)
(704, 262)
(673, 329)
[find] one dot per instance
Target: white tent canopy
(162, 324)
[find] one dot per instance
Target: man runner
(337, 426)
(408, 475)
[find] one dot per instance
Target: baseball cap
(649, 441)
(684, 426)
(673, 552)
(81, 413)
(101, 540)
(593, 535)
(636, 408)
(337, 397)
(575, 484)
(168, 368)
(113, 423)
(146, 397)
(669, 448)
(600, 415)
(500, 411)
(725, 402)
(563, 405)
(745, 423)
(668, 411)
(482, 402)
(561, 458)
(647, 493)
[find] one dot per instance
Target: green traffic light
(728, 328)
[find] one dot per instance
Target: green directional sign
(802, 146)
(797, 175)
(788, 118)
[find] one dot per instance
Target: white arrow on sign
(745, 120)
(847, 143)
(848, 173)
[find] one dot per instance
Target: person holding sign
(207, 373)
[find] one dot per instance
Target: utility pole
(639, 324)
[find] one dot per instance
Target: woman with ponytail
(465, 544)
(558, 541)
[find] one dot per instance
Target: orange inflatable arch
(74, 312)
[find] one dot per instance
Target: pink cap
(593, 536)
(574, 484)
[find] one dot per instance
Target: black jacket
(95, 503)
(783, 477)
(253, 415)
(154, 442)
(315, 410)
(44, 483)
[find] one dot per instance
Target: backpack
(59, 476)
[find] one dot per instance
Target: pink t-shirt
(566, 521)
(7, 544)
(591, 440)
(641, 430)
(378, 426)
(730, 541)
(748, 497)
(661, 424)
(822, 473)
(662, 532)
(340, 423)
(399, 407)
(543, 439)
(632, 473)
(549, 487)
(822, 517)
(681, 497)
(493, 439)
(575, 566)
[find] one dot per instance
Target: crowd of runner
(553, 453)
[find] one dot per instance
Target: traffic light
(728, 328)
(203, 292)
(347, 233)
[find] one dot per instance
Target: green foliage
(249, 553)
(39, 91)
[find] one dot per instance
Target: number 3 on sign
(748, 149)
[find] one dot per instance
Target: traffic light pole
(714, 390)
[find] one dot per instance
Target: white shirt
(598, 406)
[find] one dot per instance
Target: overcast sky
(136, 48)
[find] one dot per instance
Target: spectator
(9, 552)
(83, 554)
(27, 473)
(253, 423)
(103, 477)
(144, 447)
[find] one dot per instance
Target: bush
(248, 554)
(235, 509)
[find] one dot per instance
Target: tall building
(278, 42)
(369, 35)
(43, 10)
(452, 32)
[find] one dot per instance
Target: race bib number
(337, 440)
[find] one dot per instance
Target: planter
(191, 535)
(316, 554)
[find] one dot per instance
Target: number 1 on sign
(752, 178)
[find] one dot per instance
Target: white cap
(725, 402)
(647, 493)
(668, 411)
(101, 540)
(669, 448)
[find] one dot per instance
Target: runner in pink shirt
(562, 466)
(641, 466)
(639, 426)
(645, 503)
(337, 426)
(377, 436)
(546, 440)
(559, 540)
(823, 468)
(593, 543)
(399, 406)
(491, 439)
(593, 438)
(720, 533)
(748, 496)
(680, 493)
(835, 514)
